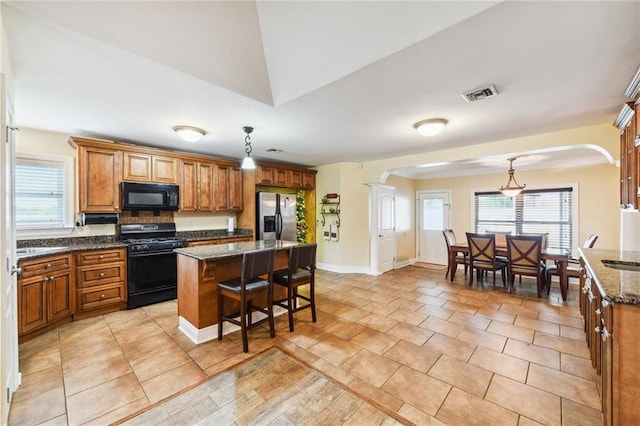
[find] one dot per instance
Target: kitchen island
(610, 304)
(201, 268)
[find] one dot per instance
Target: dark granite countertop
(213, 234)
(30, 249)
(616, 285)
(221, 251)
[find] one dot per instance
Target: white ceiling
(324, 82)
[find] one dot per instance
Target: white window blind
(41, 193)
(533, 211)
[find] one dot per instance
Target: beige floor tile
(431, 300)
(75, 359)
(537, 325)
(334, 349)
(137, 331)
(482, 338)
(524, 399)
(460, 307)
(577, 366)
(36, 345)
(576, 414)
(406, 304)
(562, 344)
(459, 405)
(409, 317)
(496, 315)
(410, 333)
(102, 399)
(472, 321)
(57, 421)
(379, 308)
(464, 376)
(505, 365)
(571, 321)
(374, 341)
(40, 381)
(572, 333)
(39, 408)
(79, 379)
(343, 329)
(173, 381)
(46, 358)
(537, 354)
(371, 367)
(565, 385)
(511, 331)
(345, 404)
(451, 347)
(447, 328)
(349, 313)
(119, 413)
(417, 357)
(378, 322)
(418, 417)
(525, 421)
(417, 389)
(333, 372)
(164, 359)
(511, 308)
(436, 312)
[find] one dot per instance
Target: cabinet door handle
(101, 274)
(597, 330)
(101, 256)
(605, 334)
(102, 296)
(47, 266)
(605, 303)
(598, 312)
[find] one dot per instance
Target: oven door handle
(150, 253)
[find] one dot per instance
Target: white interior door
(383, 238)
(433, 217)
(9, 327)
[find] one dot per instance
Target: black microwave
(149, 196)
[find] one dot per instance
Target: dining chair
(524, 254)
(301, 271)
(573, 266)
(459, 258)
(256, 277)
(482, 256)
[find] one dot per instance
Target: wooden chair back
(449, 238)
(524, 251)
(482, 247)
(544, 235)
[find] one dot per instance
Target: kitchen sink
(622, 265)
(37, 250)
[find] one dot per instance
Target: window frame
(68, 195)
(575, 214)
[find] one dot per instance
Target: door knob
(16, 270)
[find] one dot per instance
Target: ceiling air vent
(480, 93)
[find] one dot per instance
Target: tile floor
(409, 342)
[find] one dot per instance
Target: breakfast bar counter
(200, 268)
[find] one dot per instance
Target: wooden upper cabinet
(265, 175)
(196, 186)
(99, 176)
(285, 176)
(228, 188)
(150, 168)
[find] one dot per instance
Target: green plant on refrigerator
(301, 218)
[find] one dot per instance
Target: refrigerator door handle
(278, 226)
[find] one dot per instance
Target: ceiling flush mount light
(513, 188)
(248, 162)
(189, 133)
(430, 127)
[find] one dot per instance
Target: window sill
(44, 232)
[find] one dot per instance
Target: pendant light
(248, 163)
(512, 188)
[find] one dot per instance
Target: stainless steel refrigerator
(275, 216)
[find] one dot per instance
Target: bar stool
(301, 271)
(255, 264)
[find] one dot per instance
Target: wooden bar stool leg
(220, 304)
(243, 324)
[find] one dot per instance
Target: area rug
(270, 388)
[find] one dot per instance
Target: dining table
(559, 256)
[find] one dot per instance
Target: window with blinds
(533, 211)
(42, 195)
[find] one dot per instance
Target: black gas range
(152, 272)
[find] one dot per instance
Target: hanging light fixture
(248, 162)
(513, 188)
(189, 133)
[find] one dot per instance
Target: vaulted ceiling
(322, 81)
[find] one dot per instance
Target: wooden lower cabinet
(101, 278)
(45, 293)
(612, 333)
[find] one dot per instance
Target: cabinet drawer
(93, 276)
(45, 265)
(94, 257)
(101, 296)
